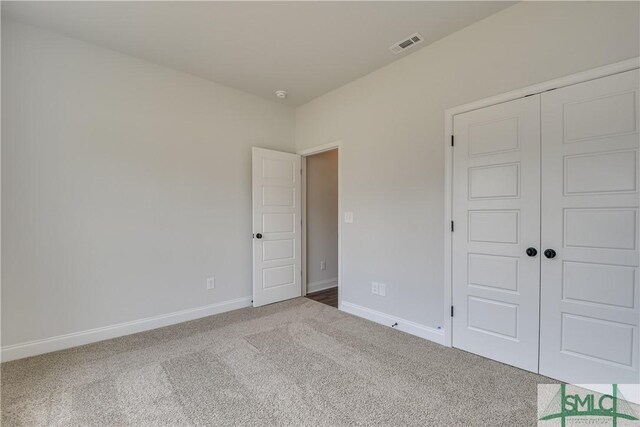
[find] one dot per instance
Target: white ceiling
(305, 48)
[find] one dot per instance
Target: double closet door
(545, 247)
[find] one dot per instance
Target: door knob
(258, 236)
(550, 253)
(532, 251)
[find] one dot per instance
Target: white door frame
(607, 70)
(306, 153)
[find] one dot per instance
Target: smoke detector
(282, 94)
(407, 43)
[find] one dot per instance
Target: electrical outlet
(348, 217)
(382, 289)
(211, 283)
(374, 287)
(323, 265)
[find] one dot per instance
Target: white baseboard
(321, 285)
(61, 342)
(426, 332)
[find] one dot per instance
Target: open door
(277, 229)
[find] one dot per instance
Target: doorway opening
(321, 230)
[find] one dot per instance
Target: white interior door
(590, 295)
(277, 230)
(496, 212)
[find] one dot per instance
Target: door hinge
(300, 171)
(452, 140)
(452, 226)
(451, 311)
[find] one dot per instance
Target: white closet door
(496, 207)
(589, 294)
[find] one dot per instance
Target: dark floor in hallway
(328, 296)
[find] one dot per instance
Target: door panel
(589, 291)
(496, 206)
(276, 217)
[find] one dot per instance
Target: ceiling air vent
(410, 41)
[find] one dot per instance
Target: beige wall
(124, 186)
(322, 219)
(391, 124)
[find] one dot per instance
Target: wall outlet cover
(382, 289)
(348, 217)
(374, 287)
(211, 283)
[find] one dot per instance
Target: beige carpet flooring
(296, 363)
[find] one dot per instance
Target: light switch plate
(211, 283)
(348, 217)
